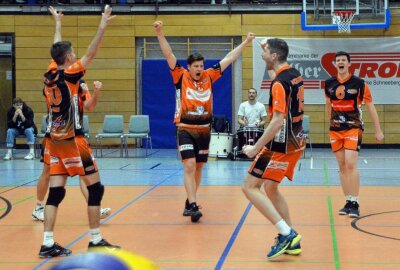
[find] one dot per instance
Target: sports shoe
(38, 213)
(29, 156)
(294, 249)
(186, 210)
(103, 244)
(346, 208)
(105, 212)
(194, 212)
(53, 251)
(354, 211)
(7, 156)
(282, 243)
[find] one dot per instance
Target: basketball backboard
(369, 14)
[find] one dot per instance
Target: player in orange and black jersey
(193, 112)
(345, 94)
(279, 148)
(88, 102)
(70, 153)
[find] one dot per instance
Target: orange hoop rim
(344, 13)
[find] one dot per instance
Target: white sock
(48, 239)
(354, 199)
(31, 150)
(39, 204)
(282, 227)
(9, 151)
(95, 236)
(348, 197)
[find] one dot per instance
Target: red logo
(367, 64)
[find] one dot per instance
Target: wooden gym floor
(147, 199)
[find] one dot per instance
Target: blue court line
(155, 166)
(233, 238)
(111, 216)
(125, 166)
(15, 187)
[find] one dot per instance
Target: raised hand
(97, 85)
(158, 25)
(250, 37)
(106, 16)
(57, 15)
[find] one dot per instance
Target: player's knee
(189, 165)
(56, 195)
(96, 192)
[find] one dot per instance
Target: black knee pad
(56, 195)
(96, 192)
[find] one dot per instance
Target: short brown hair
(17, 100)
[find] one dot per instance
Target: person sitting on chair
(252, 113)
(20, 122)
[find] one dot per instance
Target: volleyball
(103, 260)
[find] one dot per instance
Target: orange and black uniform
(346, 123)
(193, 111)
(47, 93)
(70, 152)
(279, 157)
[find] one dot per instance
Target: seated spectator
(252, 113)
(20, 122)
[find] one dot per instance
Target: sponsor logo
(198, 113)
(72, 162)
(54, 160)
(90, 168)
(58, 122)
(352, 91)
(258, 171)
(203, 152)
(185, 147)
(280, 136)
(367, 64)
(278, 165)
(202, 96)
(200, 109)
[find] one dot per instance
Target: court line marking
(331, 221)
(354, 225)
(15, 187)
(233, 238)
(18, 202)
(155, 166)
(112, 215)
(31, 179)
(8, 208)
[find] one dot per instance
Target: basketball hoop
(343, 19)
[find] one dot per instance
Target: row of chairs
(113, 127)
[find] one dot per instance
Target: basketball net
(343, 19)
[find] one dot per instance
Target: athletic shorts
(349, 139)
(274, 166)
(71, 157)
(194, 143)
(45, 153)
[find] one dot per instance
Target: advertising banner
(376, 60)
